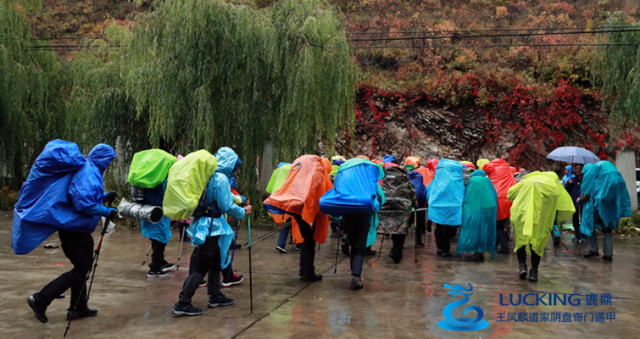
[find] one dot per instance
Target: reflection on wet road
(398, 300)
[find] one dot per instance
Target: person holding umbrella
(573, 187)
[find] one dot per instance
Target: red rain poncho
(501, 177)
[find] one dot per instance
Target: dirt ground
(403, 300)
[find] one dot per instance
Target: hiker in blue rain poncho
(445, 195)
(212, 235)
(64, 193)
(149, 170)
(479, 211)
(356, 197)
(605, 200)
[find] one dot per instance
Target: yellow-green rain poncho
(536, 199)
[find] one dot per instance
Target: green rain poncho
(607, 193)
(186, 183)
(150, 168)
(536, 201)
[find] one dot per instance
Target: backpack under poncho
(186, 182)
(356, 189)
(150, 168)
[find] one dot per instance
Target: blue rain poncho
(218, 196)
(63, 191)
(446, 194)
(568, 176)
(160, 231)
(479, 213)
(421, 190)
(356, 191)
(607, 194)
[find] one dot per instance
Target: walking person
(72, 205)
(605, 200)
(212, 235)
(539, 200)
(307, 180)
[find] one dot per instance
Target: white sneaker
(281, 249)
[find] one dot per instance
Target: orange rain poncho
(427, 176)
(501, 176)
(308, 180)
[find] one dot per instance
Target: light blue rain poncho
(479, 214)
(446, 194)
(607, 193)
(568, 176)
(218, 197)
(63, 191)
(356, 191)
(160, 231)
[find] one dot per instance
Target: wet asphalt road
(403, 300)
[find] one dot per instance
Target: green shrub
(630, 226)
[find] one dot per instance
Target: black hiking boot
(533, 275)
(311, 278)
(356, 283)
(592, 254)
(38, 311)
(82, 313)
(523, 271)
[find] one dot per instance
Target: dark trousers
(444, 234)
(78, 247)
(576, 222)
(357, 228)
(421, 217)
(522, 257)
(205, 258)
(308, 252)
(398, 245)
(157, 255)
(502, 235)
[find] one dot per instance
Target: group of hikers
(357, 198)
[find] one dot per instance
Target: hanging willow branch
(30, 93)
(210, 73)
(617, 69)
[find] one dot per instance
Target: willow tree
(99, 108)
(30, 92)
(210, 73)
(617, 69)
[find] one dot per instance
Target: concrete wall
(626, 164)
(266, 166)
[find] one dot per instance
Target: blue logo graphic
(452, 323)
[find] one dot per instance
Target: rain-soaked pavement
(398, 300)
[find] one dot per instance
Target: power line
(474, 36)
(496, 45)
(499, 30)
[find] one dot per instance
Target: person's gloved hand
(111, 196)
(113, 213)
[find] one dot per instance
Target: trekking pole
(144, 261)
(96, 255)
(415, 223)
(233, 252)
(250, 271)
(184, 228)
(381, 242)
(335, 267)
